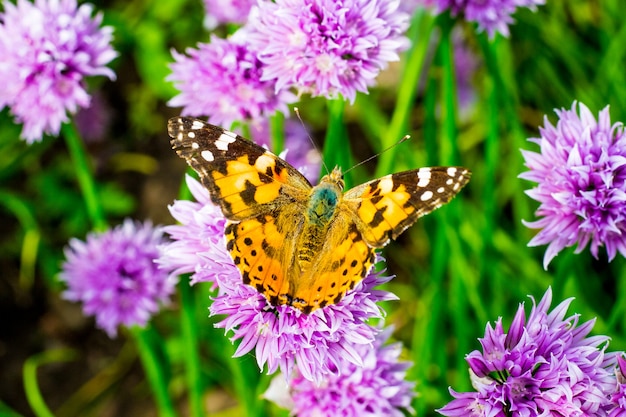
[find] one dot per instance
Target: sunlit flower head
(47, 48)
(491, 15)
(580, 171)
(327, 47)
(377, 388)
(281, 337)
(546, 365)
(222, 80)
(114, 275)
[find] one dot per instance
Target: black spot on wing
(247, 195)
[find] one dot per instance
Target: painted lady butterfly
(298, 244)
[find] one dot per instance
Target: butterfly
(299, 244)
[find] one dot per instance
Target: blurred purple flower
(298, 149)
(547, 365)
(490, 15)
(219, 12)
(115, 277)
(93, 121)
(222, 80)
(281, 336)
(327, 47)
(46, 50)
(581, 183)
(466, 64)
(378, 388)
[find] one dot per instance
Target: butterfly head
(335, 177)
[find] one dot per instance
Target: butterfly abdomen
(320, 211)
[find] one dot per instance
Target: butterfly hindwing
(340, 265)
(385, 207)
(243, 178)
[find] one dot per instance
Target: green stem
(84, 175)
(277, 132)
(496, 100)
(32, 237)
(29, 373)
(191, 346)
(152, 365)
(448, 150)
(336, 146)
(406, 90)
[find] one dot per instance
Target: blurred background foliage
(459, 268)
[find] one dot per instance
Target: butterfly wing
(263, 197)
(244, 179)
(385, 207)
(343, 261)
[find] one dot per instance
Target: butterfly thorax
(321, 210)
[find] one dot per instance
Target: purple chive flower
(378, 388)
(281, 336)
(298, 149)
(219, 12)
(547, 365)
(222, 79)
(580, 173)
(115, 277)
(617, 401)
(327, 47)
(47, 48)
(490, 15)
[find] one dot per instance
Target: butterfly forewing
(385, 207)
(244, 179)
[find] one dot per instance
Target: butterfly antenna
(405, 138)
(297, 111)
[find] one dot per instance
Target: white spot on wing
(208, 156)
(441, 190)
(191, 135)
(224, 140)
(264, 161)
(449, 181)
(197, 124)
(452, 171)
(195, 145)
(385, 184)
(426, 196)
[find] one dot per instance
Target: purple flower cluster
(327, 47)
(490, 15)
(46, 50)
(222, 79)
(378, 388)
(281, 336)
(545, 365)
(115, 276)
(580, 173)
